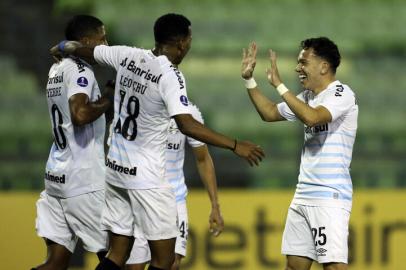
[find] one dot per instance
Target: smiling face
(312, 70)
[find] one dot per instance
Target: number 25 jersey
(76, 161)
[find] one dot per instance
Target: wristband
(282, 89)
(61, 46)
(250, 83)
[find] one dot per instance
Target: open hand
(248, 61)
(272, 72)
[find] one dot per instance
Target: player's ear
(85, 41)
(325, 66)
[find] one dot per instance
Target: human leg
(298, 263)
(58, 257)
(51, 225)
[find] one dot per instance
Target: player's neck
(323, 84)
(167, 51)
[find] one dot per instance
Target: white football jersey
(76, 162)
(175, 155)
(324, 178)
(149, 90)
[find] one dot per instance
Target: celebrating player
(70, 207)
(317, 222)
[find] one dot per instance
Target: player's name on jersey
(54, 91)
(140, 72)
(55, 178)
(55, 79)
(119, 168)
(134, 85)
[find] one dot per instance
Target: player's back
(146, 87)
(75, 164)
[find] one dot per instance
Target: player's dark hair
(324, 48)
(170, 27)
(82, 26)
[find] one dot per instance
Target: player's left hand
(272, 72)
(216, 221)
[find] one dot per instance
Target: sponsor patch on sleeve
(184, 100)
(82, 82)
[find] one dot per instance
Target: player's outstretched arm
(192, 128)
(84, 112)
(207, 174)
(72, 48)
(265, 107)
(308, 115)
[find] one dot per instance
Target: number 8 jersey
(149, 90)
(76, 161)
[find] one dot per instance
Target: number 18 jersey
(76, 161)
(149, 90)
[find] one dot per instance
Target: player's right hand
(64, 48)
(249, 60)
(251, 152)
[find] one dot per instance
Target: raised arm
(84, 112)
(207, 174)
(192, 128)
(265, 107)
(72, 48)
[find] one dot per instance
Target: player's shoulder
(76, 65)
(339, 89)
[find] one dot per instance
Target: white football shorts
(319, 233)
(64, 220)
(140, 252)
(148, 213)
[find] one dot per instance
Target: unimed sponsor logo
(55, 178)
(121, 169)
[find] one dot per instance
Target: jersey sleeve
(339, 101)
(173, 91)
(110, 55)
(197, 115)
(286, 112)
(79, 80)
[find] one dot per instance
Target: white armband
(282, 89)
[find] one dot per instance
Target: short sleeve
(110, 55)
(173, 91)
(286, 112)
(197, 115)
(338, 101)
(79, 80)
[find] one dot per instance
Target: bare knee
(298, 263)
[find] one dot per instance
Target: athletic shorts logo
(82, 82)
(183, 100)
(321, 252)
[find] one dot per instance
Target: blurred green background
(370, 34)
